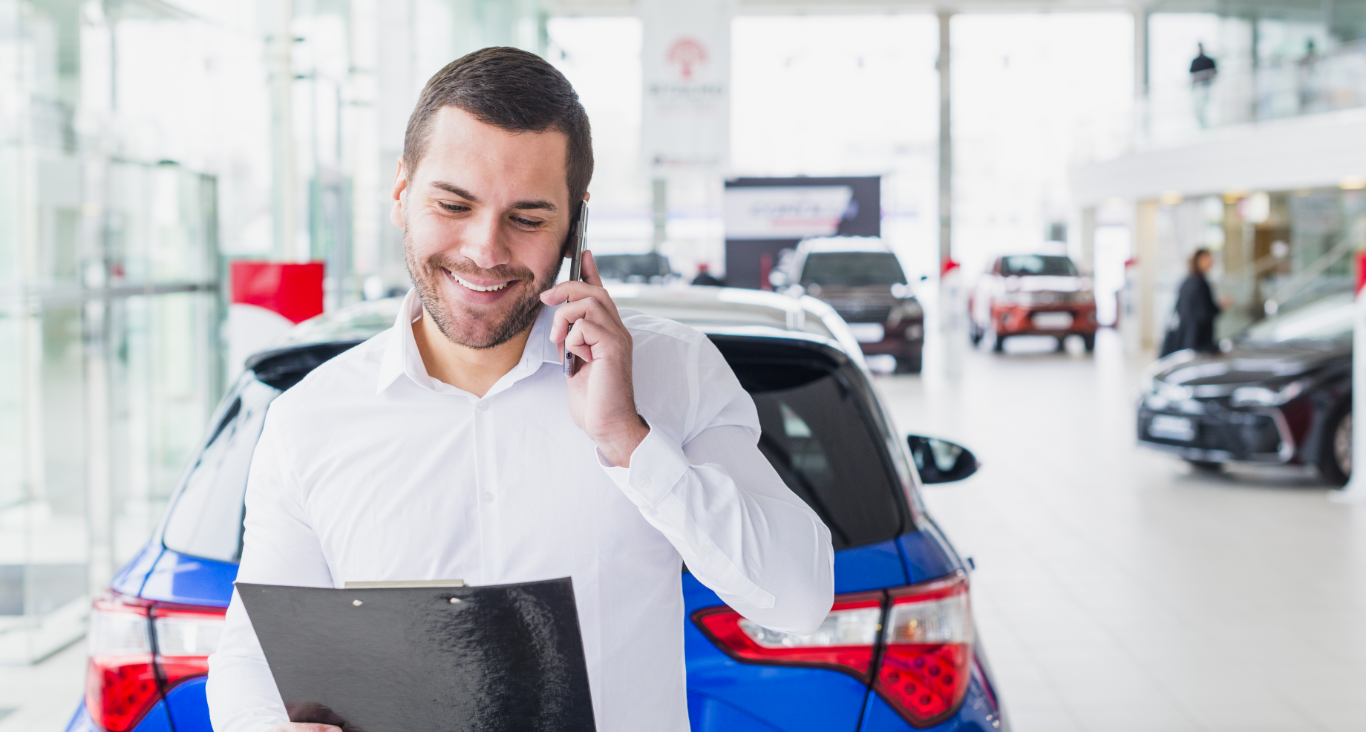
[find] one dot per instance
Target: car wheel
(998, 342)
(1335, 452)
(1089, 341)
(908, 364)
(1062, 343)
(1205, 466)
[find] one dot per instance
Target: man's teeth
(475, 287)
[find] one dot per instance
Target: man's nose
(483, 243)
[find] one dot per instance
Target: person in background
(1193, 323)
(1305, 74)
(705, 278)
(1203, 71)
(1203, 68)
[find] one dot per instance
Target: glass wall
(109, 325)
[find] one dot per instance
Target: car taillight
(130, 666)
(919, 637)
(926, 662)
(844, 641)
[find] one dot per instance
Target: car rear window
(852, 269)
(816, 432)
(1038, 264)
(819, 438)
(206, 518)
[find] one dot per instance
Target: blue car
(898, 650)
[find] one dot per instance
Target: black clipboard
(426, 659)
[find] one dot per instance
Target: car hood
(1244, 365)
(1044, 283)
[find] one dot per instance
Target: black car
(1281, 393)
(648, 267)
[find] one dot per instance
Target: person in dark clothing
(705, 278)
(1203, 68)
(1196, 309)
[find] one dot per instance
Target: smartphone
(571, 362)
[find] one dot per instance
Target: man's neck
(474, 370)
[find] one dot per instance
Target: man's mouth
(477, 288)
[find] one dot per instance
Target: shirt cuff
(657, 464)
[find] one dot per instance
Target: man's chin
(480, 326)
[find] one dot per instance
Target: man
(1203, 68)
(453, 447)
(705, 278)
(1203, 71)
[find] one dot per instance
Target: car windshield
(1038, 264)
(814, 431)
(852, 269)
(624, 267)
(1326, 319)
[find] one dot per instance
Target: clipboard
(443, 658)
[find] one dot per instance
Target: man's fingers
(571, 312)
(591, 341)
(590, 270)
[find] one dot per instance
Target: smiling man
(453, 447)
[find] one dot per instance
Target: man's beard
(467, 328)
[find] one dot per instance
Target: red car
(1032, 294)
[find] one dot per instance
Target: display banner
(785, 212)
(685, 66)
(764, 216)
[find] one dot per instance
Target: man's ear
(400, 187)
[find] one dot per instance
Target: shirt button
(482, 406)
(488, 497)
(706, 550)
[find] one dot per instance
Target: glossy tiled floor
(1115, 589)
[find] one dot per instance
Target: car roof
(713, 310)
(845, 244)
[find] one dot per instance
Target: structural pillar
(659, 195)
(283, 181)
(945, 143)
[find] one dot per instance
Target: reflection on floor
(1118, 590)
(42, 697)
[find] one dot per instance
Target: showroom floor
(1115, 590)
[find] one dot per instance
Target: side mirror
(777, 278)
(941, 461)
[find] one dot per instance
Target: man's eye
(452, 207)
(529, 223)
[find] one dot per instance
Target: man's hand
(602, 397)
(304, 727)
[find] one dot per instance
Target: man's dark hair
(512, 90)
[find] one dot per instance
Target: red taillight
(920, 638)
(124, 679)
(844, 642)
(926, 662)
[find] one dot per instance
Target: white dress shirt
(371, 470)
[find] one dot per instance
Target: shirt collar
(401, 357)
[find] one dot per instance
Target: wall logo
(687, 54)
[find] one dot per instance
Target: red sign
(292, 290)
(1361, 271)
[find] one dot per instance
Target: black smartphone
(571, 362)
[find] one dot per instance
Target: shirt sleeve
(279, 548)
(740, 529)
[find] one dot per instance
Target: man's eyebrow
(538, 204)
(457, 190)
